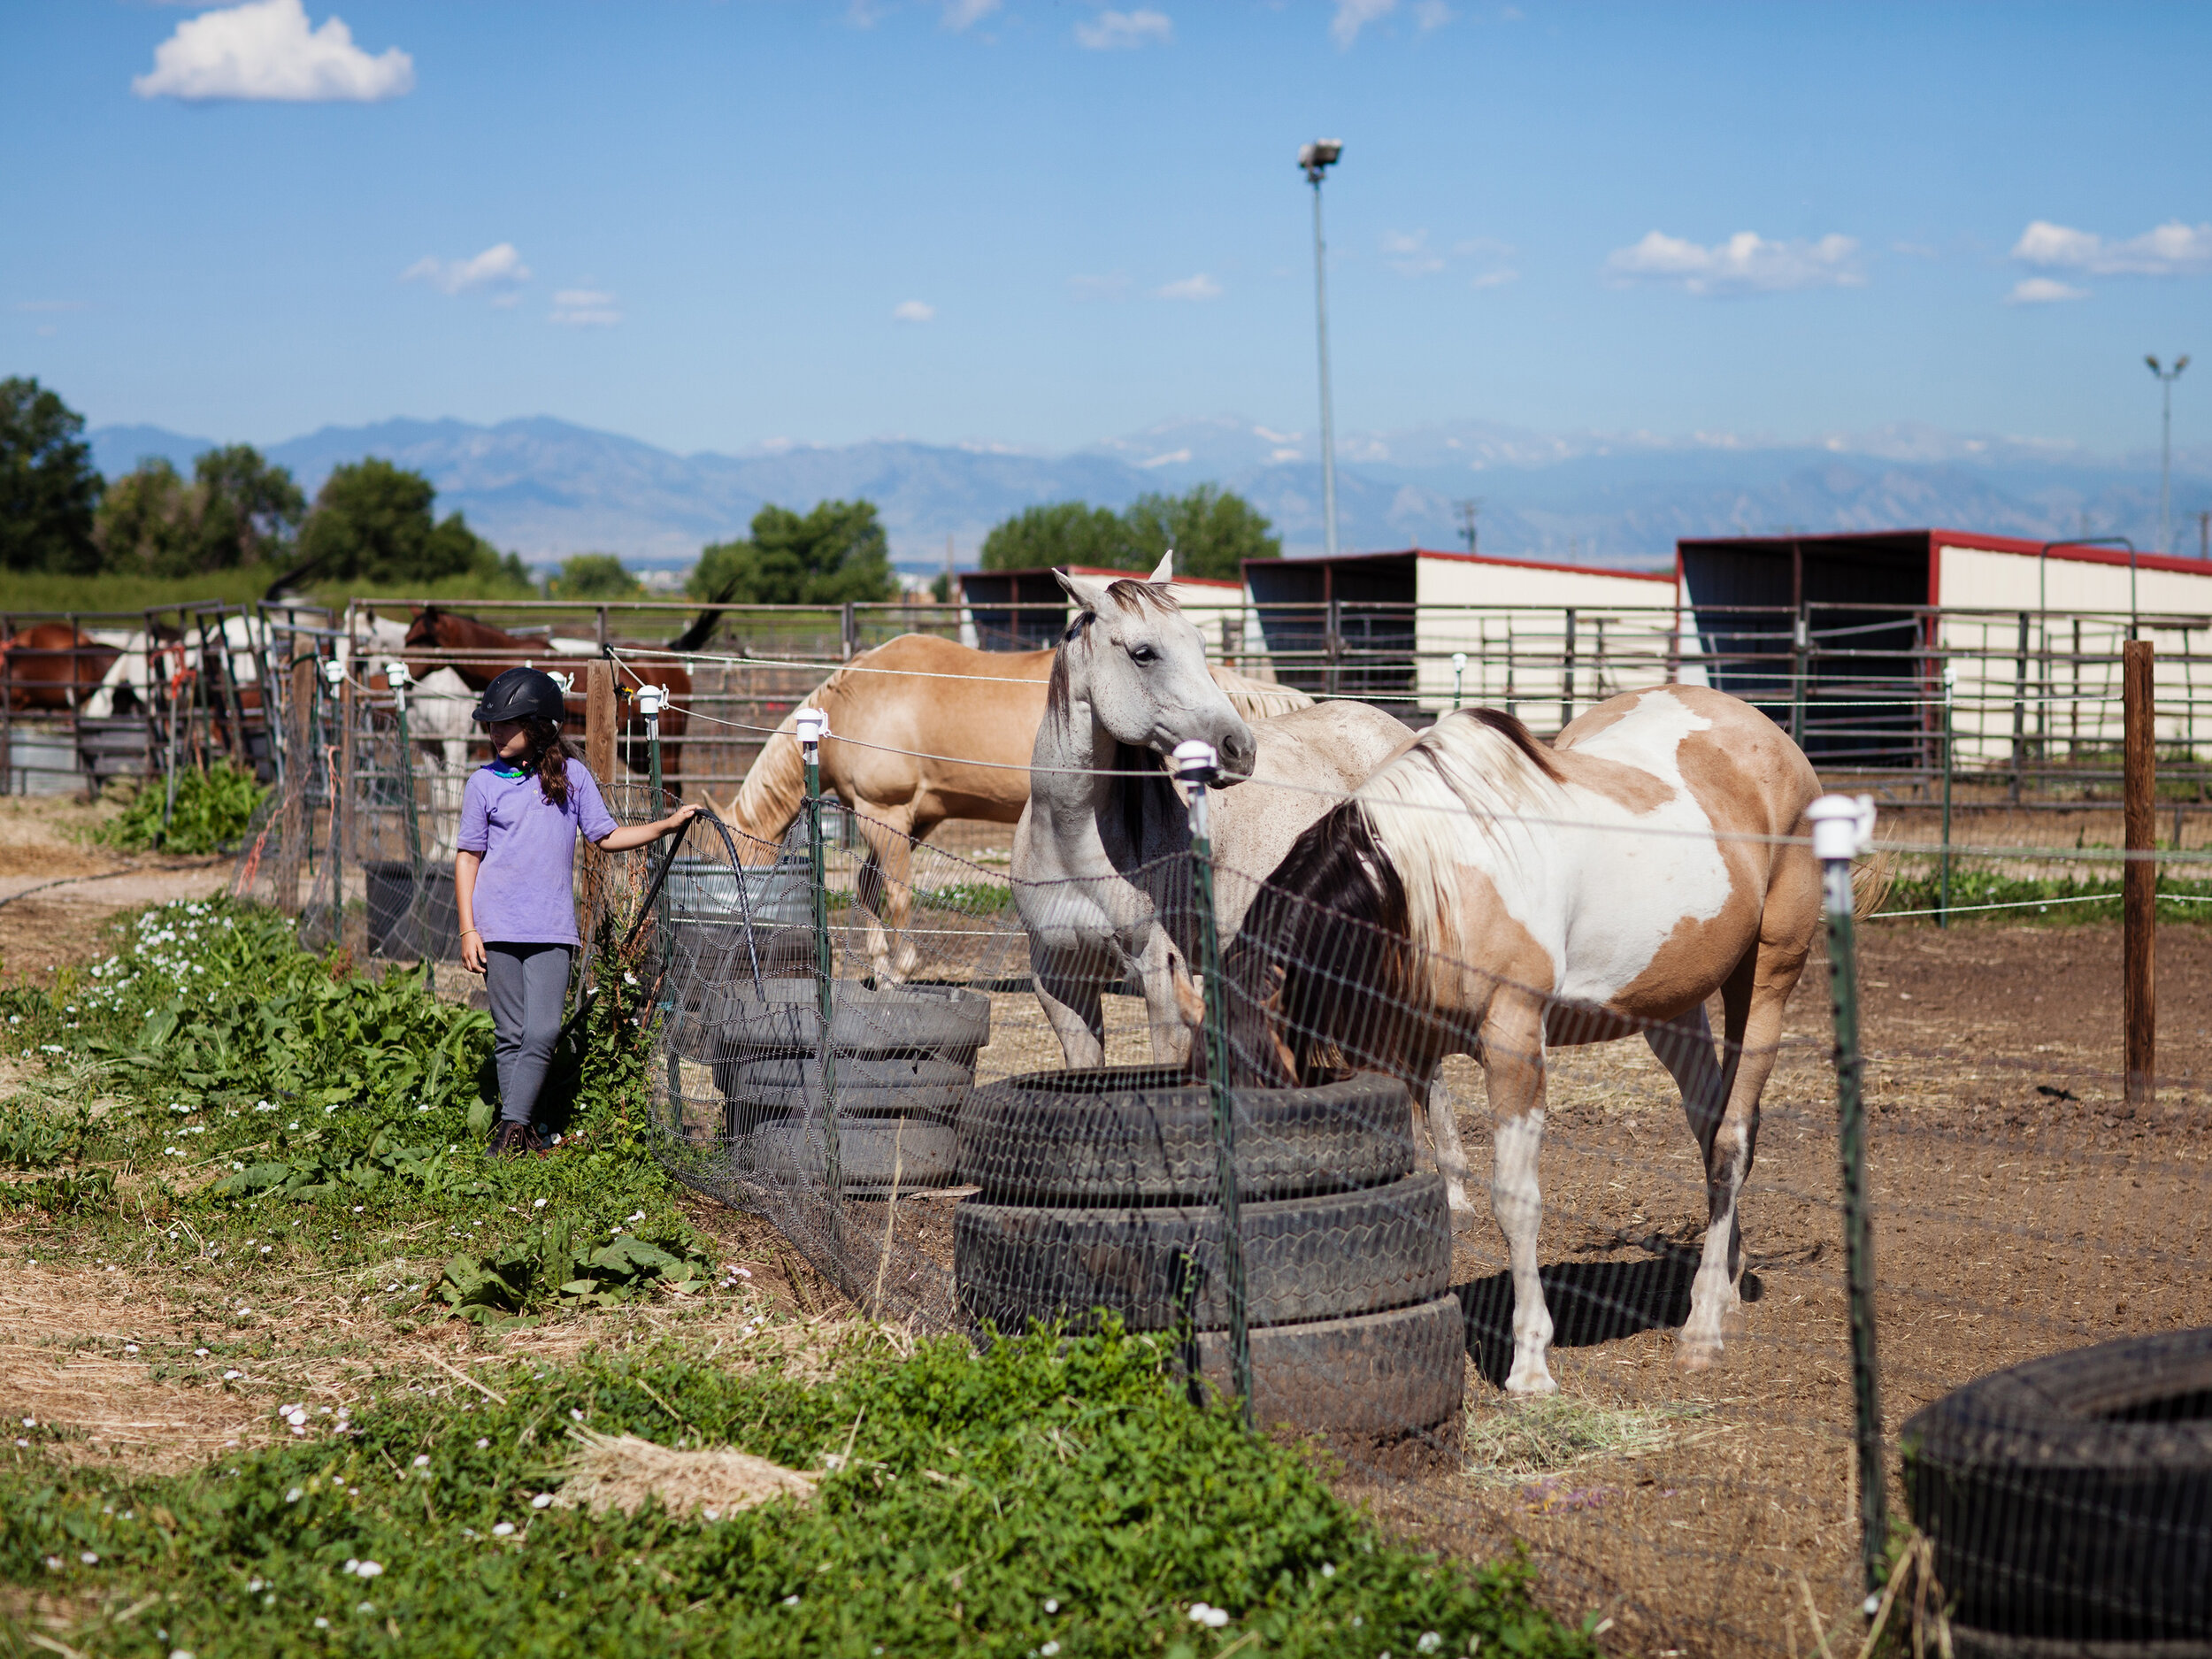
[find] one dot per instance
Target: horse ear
(1164, 571)
(1090, 594)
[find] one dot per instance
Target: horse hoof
(1530, 1382)
(1695, 1356)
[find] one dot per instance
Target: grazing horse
(1101, 891)
(922, 730)
(479, 653)
(1485, 893)
(53, 666)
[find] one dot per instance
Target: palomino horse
(53, 666)
(479, 653)
(1100, 893)
(922, 730)
(1486, 895)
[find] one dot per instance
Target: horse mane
(702, 626)
(774, 786)
(1446, 801)
(1318, 974)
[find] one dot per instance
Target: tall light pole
(2166, 378)
(1316, 159)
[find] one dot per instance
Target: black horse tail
(701, 628)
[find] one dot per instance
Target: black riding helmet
(522, 693)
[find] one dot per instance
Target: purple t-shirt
(525, 893)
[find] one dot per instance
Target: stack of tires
(1099, 1196)
(903, 1058)
(2069, 1501)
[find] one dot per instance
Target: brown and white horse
(480, 653)
(1487, 894)
(923, 729)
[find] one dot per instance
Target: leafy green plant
(213, 807)
(2043, 899)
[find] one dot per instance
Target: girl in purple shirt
(514, 879)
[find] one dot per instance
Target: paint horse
(1486, 894)
(922, 730)
(479, 653)
(1100, 891)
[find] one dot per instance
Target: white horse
(440, 726)
(1486, 894)
(1095, 877)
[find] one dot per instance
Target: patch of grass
(212, 809)
(1045, 1496)
(2061, 899)
(1541, 1437)
(283, 1107)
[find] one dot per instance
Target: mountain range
(547, 487)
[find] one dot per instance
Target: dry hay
(621, 1471)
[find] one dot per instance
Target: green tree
(1062, 533)
(247, 510)
(1212, 530)
(238, 510)
(373, 522)
(593, 576)
(49, 489)
(834, 554)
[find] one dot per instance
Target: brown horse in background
(923, 729)
(53, 666)
(480, 653)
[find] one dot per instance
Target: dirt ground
(57, 886)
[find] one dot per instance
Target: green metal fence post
(813, 726)
(1943, 863)
(1194, 763)
(1843, 828)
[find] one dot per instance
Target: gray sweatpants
(527, 985)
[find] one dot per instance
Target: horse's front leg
(887, 897)
(1513, 1056)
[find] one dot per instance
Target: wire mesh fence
(855, 1048)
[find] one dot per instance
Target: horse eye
(1141, 653)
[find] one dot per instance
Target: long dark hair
(550, 754)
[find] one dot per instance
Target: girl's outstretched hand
(680, 817)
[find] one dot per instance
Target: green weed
(212, 809)
(1043, 1497)
(2062, 898)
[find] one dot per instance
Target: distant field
(23, 594)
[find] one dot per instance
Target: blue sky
(712, 225)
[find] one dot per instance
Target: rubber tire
(868, 1086)
(1319, 1257)
(789, 1150)
(1126, 1135)
(1386, 1388)
(2062, 1506)
(885, 1020)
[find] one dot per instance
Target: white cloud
(265, 50)
(1199, 287)
(583, 308)
(1432, 14)
(1747, 262)
(499, 265)
(2171, 250)
(2041, 290)
(1352, 16)
(1410, 255)
(1497, 279)
(1124, 30)
(914, 311)
(1098, 288)
(965, 14)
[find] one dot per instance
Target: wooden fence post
(600, 719)
(2138, 904)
